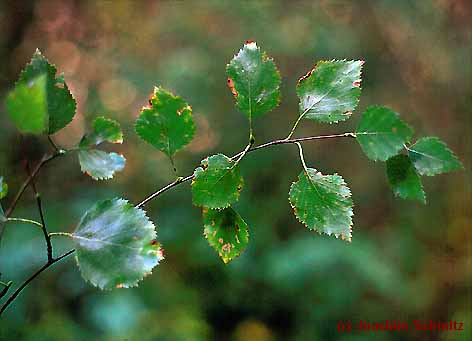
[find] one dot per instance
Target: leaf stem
(241, 155)
(244, 152)
(301, 116)
(295, 126)
(173, 165)
(32, 277)
(302, 158)
(63, 234)
(26, 221)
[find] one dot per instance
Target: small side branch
(6, 287)
(32, 277)
(240, 155)
(163, 189)
(46, 159)
(41, 214)
(32, 176)
(53, 144)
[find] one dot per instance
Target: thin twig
(6, 287)
(165, 188)
(41, 215)
(32, 277)
(53, 144)
(241, 154)
(32, 176)
(34, 173)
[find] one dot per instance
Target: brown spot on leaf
(151, 97)
(119, 286)
(226, 248)
(232, 88)
(220, 240)
(394, 129)
(357, 83)
(308, 74)
(250, 41)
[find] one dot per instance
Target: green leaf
(403, 178)
(330, 91)
(116, 245)
(226, 232)
(60, 103)
(431, 156)
(104, 130)
(100, 165)
(3, 188)
(323, 203)
(167, 124)
(27, 106)
(381, 133)
(254, 81)
(217, 183)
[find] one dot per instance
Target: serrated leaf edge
(351, 212)
(444, 145)
(398, 195)
(265, 58)
(104, 177)
(307, 75)
(149, 107)
(120, 140)
(378, 106)
(154, 237)
(61, 79)
(202, 169)
(228, 259)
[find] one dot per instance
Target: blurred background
(406, 261)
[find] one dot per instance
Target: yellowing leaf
(226, 232)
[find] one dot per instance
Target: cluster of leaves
(115, 241)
